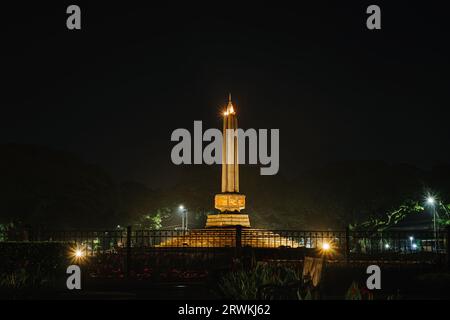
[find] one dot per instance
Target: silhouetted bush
(32, 265)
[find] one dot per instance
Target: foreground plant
(265, 281)
(357, 292)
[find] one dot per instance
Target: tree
(153, 221)
(391, 217)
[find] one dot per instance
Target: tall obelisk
(230, 202)
(230, 161)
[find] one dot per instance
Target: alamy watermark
(73, 21)
(256, 142)
(74, 280)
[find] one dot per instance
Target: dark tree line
(40, 186)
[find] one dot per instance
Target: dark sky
(113, 92)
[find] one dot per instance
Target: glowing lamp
(79, 254)
(431, 201)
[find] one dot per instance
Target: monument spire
(230, 202)
(230, 161)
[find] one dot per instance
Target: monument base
(229, 202)
(227, 220)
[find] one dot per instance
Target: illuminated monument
(221, 227)
(230, 202)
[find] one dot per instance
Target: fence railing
(350, 245)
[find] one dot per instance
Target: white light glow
(79, 254)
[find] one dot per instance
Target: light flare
(77, 254)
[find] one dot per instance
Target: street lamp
(78, 254)
(431, 202)
(184, 217)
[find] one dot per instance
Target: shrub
(357, 292)
(32, 265)
(245, 284)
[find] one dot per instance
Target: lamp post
(184, 217)
(431, 201)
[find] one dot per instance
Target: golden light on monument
(230, 201)
(221, 228)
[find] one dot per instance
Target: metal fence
(349, 245)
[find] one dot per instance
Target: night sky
(113, 92)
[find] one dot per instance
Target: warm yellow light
(77, 254)
(225, 113)
(231, 109)
(326, 246)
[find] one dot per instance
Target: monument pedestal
(229, 202)
(227, 220)
(229, 205)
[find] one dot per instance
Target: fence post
(447, 244)
(128, 253)
(347, 244)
